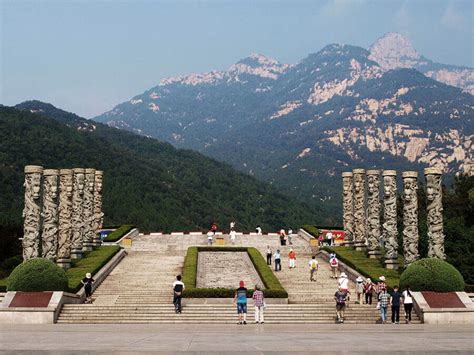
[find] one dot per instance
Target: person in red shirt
(214, 228)
(292, 258)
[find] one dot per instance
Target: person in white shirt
(407, 304)
(329, 237)
(232, 225)
(343, 282)
(210, 235)
(313, 268)
(178, 289)
(290, 236)
(232, 236)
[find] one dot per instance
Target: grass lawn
(368, 267)
(92, 262)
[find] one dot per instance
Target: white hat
(88, 275)
(359, 279)
(382, 278)
(343, 274)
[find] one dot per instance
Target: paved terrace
(69, 339)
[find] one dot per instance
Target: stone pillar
(410, 217)
(65, 216)
(359, 210)
(32, 212)
(77, 217)
(373, 213)
(434, 218)
(348, 208)
(98, 214)
(390, 219)
(49, 237)
(88, 210)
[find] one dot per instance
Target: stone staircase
(139, 289)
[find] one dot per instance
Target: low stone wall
(430, 315)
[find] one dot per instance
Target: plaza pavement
(324, 338)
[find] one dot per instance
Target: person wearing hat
(240, 299)
(359, 289)
(368, 290)
(341, 296)
(87, 282)
(343, 282)
(381, 285)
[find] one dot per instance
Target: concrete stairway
(139, 289)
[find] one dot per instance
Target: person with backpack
(341, 297)
(88, 281)
(368, 290)
(313, 268)
(277, 257)
(240, 299)
(178, 288)
(334, 263)
(343, 282)
(407, 304)
(292, 259)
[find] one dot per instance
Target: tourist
(178, 288)
(258, 230)
(368, 290)
(395, 303)
(381, 285)
(88, 281)
(290, 236)
(407, 304)
(277, 257)
(313, 268)
(232, 225)
(282, 237)
(292, 259)
(343, 282)
(240, 299)
(269, 255)
(214, 228)
(321, 240)
(334, 263)
(259, 303)
(210, 235)
(384, 299)
(232, 236)
(359, 289)
(329, 238)
(341, 297)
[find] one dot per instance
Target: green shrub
(432, 274)
(311, 230)
(119, 233)
(37, 274)
(190, 270)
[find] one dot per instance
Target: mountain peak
(257, 59)
(394, 50)
(259, 65)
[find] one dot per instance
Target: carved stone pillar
(348, 208)
(390, 219)
(410, 217)
(77, 215)
(32, 212)
(49, 237)
(434, 218)
(360, 235)
(65, 216)
(373, 213)
(88, 210)
(98, 214)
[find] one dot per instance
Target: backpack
(333, 262)
(178, 290)
(340, 298)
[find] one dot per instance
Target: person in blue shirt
(395, 303)
(240, 299)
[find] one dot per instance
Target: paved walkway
(68, 339)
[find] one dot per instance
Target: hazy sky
(88, 56)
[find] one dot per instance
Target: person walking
(343, 282)
(407, 304)
(259, 304)
(269, 255)
(232, 225)
(341, 297)
(290, 236)
(395, 303)
(359, 289)
(214, 228)
(277, 257)
(210, 235)
(384, 299)
(258, 230)
(368, 290)
(313, 268)
(240, 299)
(381, 285)
(329, 238)
(282, 237)
(292, 259)
(88, 281)
(334, 263)
(178, 288)
(232, 236)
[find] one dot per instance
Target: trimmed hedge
(92, 262)
(273, 287)
(432, 274)
(311, 230)
(37, 274)
(119, 233)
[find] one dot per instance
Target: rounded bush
(37, 275)
(432, 274)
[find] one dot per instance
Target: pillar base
(360, 246)
(374, 254)
(64, 263)
(392, 264)
(97, 242)
(76, 254)
(349, 243)
(88, 246)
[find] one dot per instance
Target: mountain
(146, 182)
(393, 51)
(299, 126)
